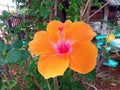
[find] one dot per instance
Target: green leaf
(14, 55)
(25, 55)
(5, 15)
(3, 84)
(32, 66)
(49, 3)
(67, 76)
(27, 77)
(75, 1)
(56, 18)
(45, 12)
(17, 44)
(60, 6)
(6, 28)
(17, 29)
(67, 82)
(12, 83)
(117, 29)
(2, 60)
(3, 48)
(90, 76)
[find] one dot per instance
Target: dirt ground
(108, 78)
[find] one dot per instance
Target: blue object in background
(117, 35)
(111, 63)
(101, 40)
(100, 43)
(115, 43)
(108, 48)
(100, 37)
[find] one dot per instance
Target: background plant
(18, 68)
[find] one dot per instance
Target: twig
(86, 10)
(55, 7)
(50, 17)
(51, 14)
(21, 70)
(82, 14)
(7, 70)
(37, 84)
(101, 61)
(90, 85)
(97, 11)
(55, 80)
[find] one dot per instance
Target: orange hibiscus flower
(62, 46)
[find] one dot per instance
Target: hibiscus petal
(41, 44)
(54, 26)
(52, 29)
(67, 24)
(52, 65)
(83, 57)
(80, 31)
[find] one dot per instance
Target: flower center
(63, 47)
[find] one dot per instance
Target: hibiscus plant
(47, 45)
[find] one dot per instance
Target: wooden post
(106, 11)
